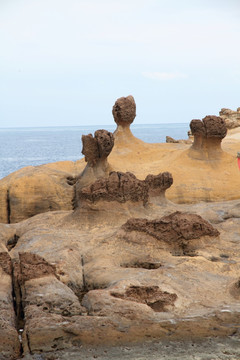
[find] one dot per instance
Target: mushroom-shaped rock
(96, 150)
(157, 185)
(208, 135)
(124, 111)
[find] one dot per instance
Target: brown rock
(150, 295)
(6, 263)
(123, 187)
(175, 229)
(120, 187)
(124, 111)
(232, 118)
(98, 147)
(33, 266)
(208, 135)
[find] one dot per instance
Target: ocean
(20, 147)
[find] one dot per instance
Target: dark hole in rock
(214, 258)
(12, 242)
(149, 265)
(224, 256)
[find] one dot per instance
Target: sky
(65, 62)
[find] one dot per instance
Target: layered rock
(231, 117)
(208, 135)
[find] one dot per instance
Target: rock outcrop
(96, 150)
(177, 230)
(124, 111)
(123, 187)
(208, 135)
(171, 140)
(232, 118)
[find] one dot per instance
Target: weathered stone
(124, 111)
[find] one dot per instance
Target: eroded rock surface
(96, 150)
(124, 111)
(176, 229)
(123, 187)
(208, 135)
(231, 117)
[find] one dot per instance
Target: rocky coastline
(136, 242)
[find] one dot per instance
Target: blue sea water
(20, 147)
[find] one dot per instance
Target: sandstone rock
(96, 150)
(208, 135)
(123, 187)
(34, 190)
(124, 111)
(169, 139)
(176, 229)
(232, 118)
(10, 347)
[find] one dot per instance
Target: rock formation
(123, 187)
(208, 135)
(96, 150)
(176, 229)
(232, 118)
(171, 140)
(124, 111)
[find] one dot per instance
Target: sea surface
(20, 147)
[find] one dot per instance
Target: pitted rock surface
(152, 296)
(124, 111)
(174, 227)
(118, 186)
(97, 147)
(210, 126)
(33, 266)
(161, 181)
(6, 262)
(124, 187)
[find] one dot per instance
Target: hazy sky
(65, 62)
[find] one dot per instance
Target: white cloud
(164, 75)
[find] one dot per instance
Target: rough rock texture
(176, 229)
(79, 283)
(208, 135)
(33, 266)
(96, 150)
(232, 118)
(124, 111)
(152, 296)
(10, 347)
(123, 187)
(98, 147)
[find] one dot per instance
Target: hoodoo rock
(124, 111)
(96, 150)
(208, 135)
